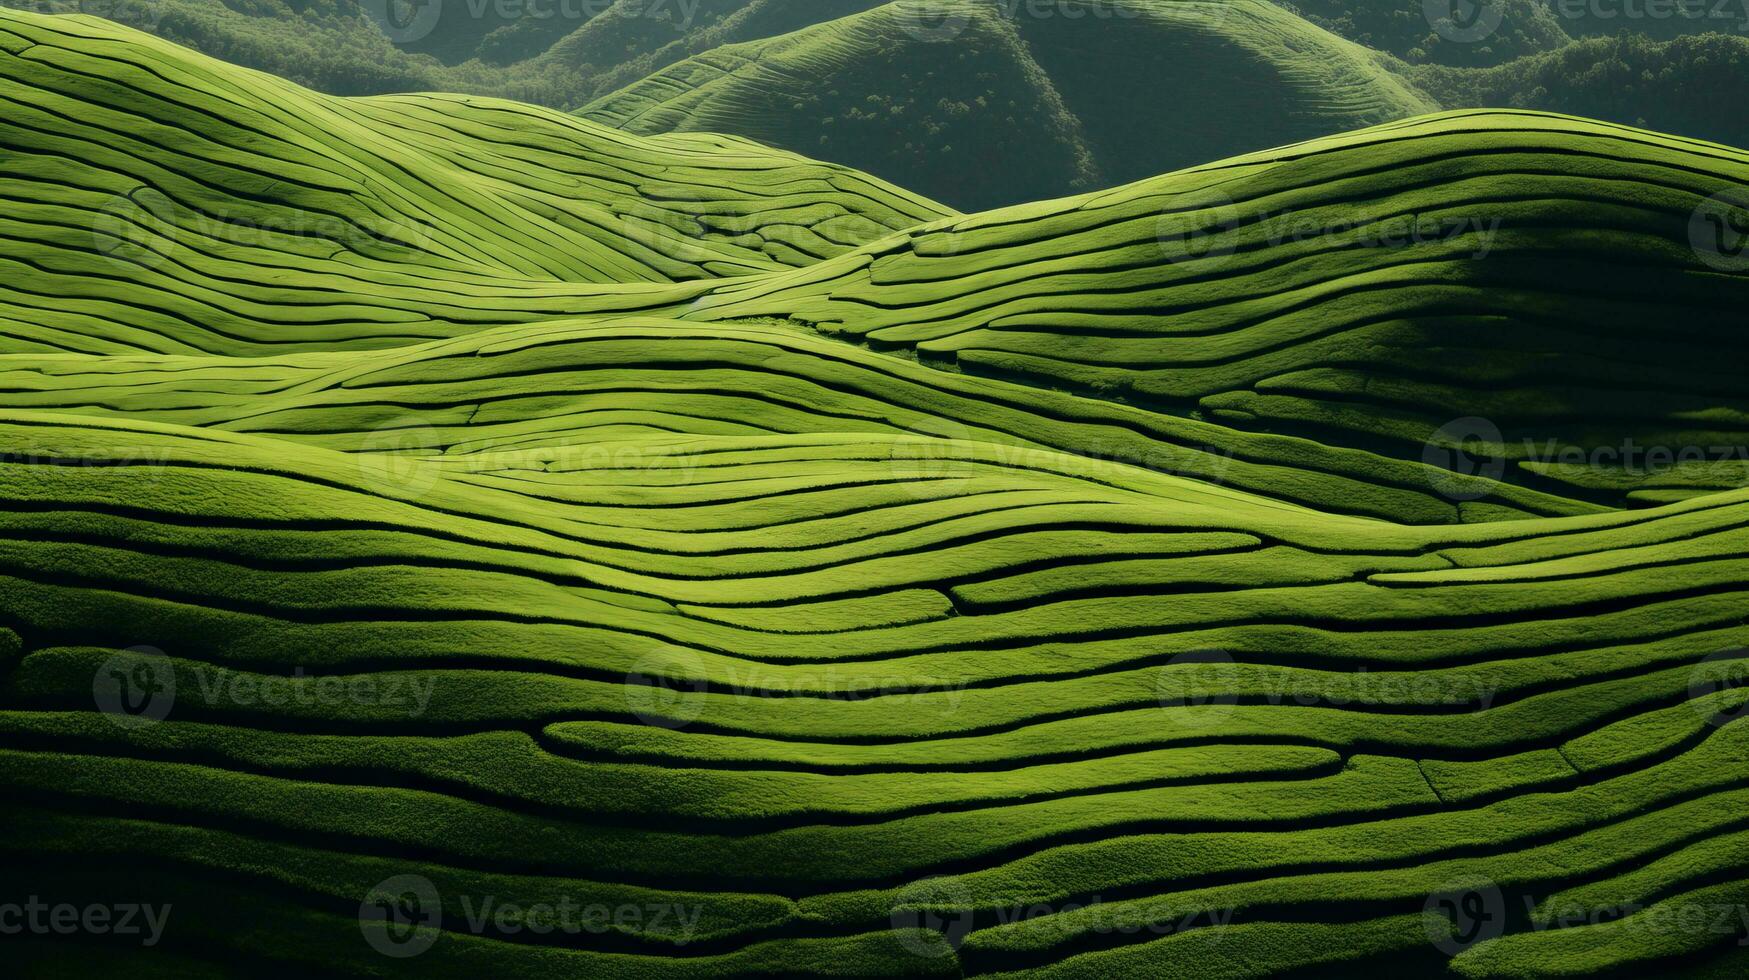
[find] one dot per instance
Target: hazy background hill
(982, 108)
(996, 101)
(1401, 27)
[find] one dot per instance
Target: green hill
(1041, 99)
(1501, 31)
(993, 109)
(1362, 290)
(560, 53)
(231, 211)
(1666, 85)
(631, 574)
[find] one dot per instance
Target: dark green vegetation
(1400, 27)
(996, 101)
(991, 109)
(1678, 86)
(824, 583)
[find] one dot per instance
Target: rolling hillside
(1117, 721)
(679, 558)
(994, 109)
(1502, 31)
(1039, 100)
(1669, 85)
(1363, 290)
(227, 208)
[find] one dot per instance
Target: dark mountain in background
(987, 102)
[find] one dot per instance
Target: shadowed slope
(1363, 290)
(992, 109)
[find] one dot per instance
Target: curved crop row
(222, 210)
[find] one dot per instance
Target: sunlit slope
(1551, 275)
(223, 209)
(1094, 706)
(981, 103)
(564, 385)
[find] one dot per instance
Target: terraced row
(1123, 700)
(159, 200)
(1363, 290)
(567, 385)
(769, 654)
(1296, 292)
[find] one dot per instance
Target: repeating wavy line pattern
(803, 657)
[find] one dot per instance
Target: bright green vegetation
(234, 205)
(824, 583)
